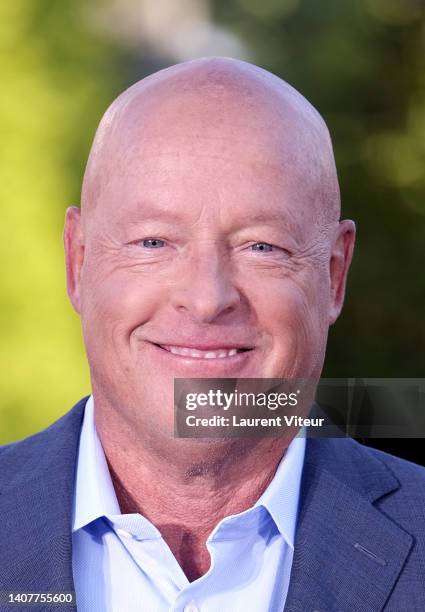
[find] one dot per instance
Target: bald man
(208, 245)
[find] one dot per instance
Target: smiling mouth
(219, 353)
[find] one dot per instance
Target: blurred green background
(360, 62)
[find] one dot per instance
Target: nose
(206, 290)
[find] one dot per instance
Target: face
(204, 257)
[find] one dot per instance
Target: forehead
(185, 187)
(223, 153)
(261, 121)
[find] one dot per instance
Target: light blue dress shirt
(122, 564)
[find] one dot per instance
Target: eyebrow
(275, 218)
(265, 218)
(146, 212)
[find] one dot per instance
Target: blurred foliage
(360, 62)
(57, 79)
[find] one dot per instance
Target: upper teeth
(190, 352)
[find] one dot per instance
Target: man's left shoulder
(411, 478)
(405, 503)
(392, 484)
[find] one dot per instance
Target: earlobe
(74, 254)
(340, 261)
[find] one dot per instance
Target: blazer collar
(36, 492)
(348, 555)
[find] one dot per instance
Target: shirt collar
(282, 495)
(94, 492)
(95, 495)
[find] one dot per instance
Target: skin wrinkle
(210, 83)
(211, 157)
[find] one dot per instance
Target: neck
(187, 486)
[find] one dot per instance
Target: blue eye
(153, 243)
(262, 247)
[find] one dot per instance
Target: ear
(73, 239)
(342, 253)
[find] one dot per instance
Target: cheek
(113, 306)
(291, 311)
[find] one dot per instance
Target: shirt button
(191, 607)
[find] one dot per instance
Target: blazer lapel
(348, 555)
(36, 497)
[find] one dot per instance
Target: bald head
(208, 245)
(206, 106)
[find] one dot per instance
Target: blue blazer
(360, 541)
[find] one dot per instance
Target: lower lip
(199, 366)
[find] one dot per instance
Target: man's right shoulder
(37, 451)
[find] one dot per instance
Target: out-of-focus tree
(57, 78)
(362, 64)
